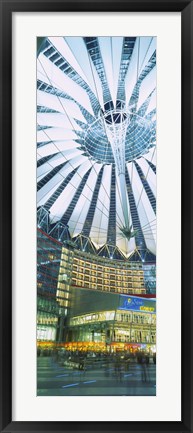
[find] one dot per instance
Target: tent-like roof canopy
(96, 139)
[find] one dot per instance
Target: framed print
(96, 216)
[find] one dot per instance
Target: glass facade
(48, 311)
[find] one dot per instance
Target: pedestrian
(144, 368)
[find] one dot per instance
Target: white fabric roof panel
(63, 82)
(65, 198)
(145, 211)
(64, 155)
(55, 134)
(148, 173)
(60, 104)
(56, 120)
(80, 212)
(63, 48)
(58, 178)
(55, 147)
(79, 50)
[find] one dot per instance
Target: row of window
(136, 318)
(107, 271)
(106, 275)
(136, 339)
(121, 267)
(98, 337)
(131, 317)
(105, 279)
(46, 319)
(127, 288)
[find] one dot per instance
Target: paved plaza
(97, 380)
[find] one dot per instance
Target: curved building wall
(92, 272)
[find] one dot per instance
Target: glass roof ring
(118, 124)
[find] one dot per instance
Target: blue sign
(137, 304)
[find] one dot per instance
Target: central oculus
(112, 126)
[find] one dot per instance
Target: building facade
(86, 302)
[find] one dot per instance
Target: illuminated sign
(147, 309)
(137, 304)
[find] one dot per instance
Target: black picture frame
(6, 218)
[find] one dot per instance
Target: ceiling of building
(96, 138)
